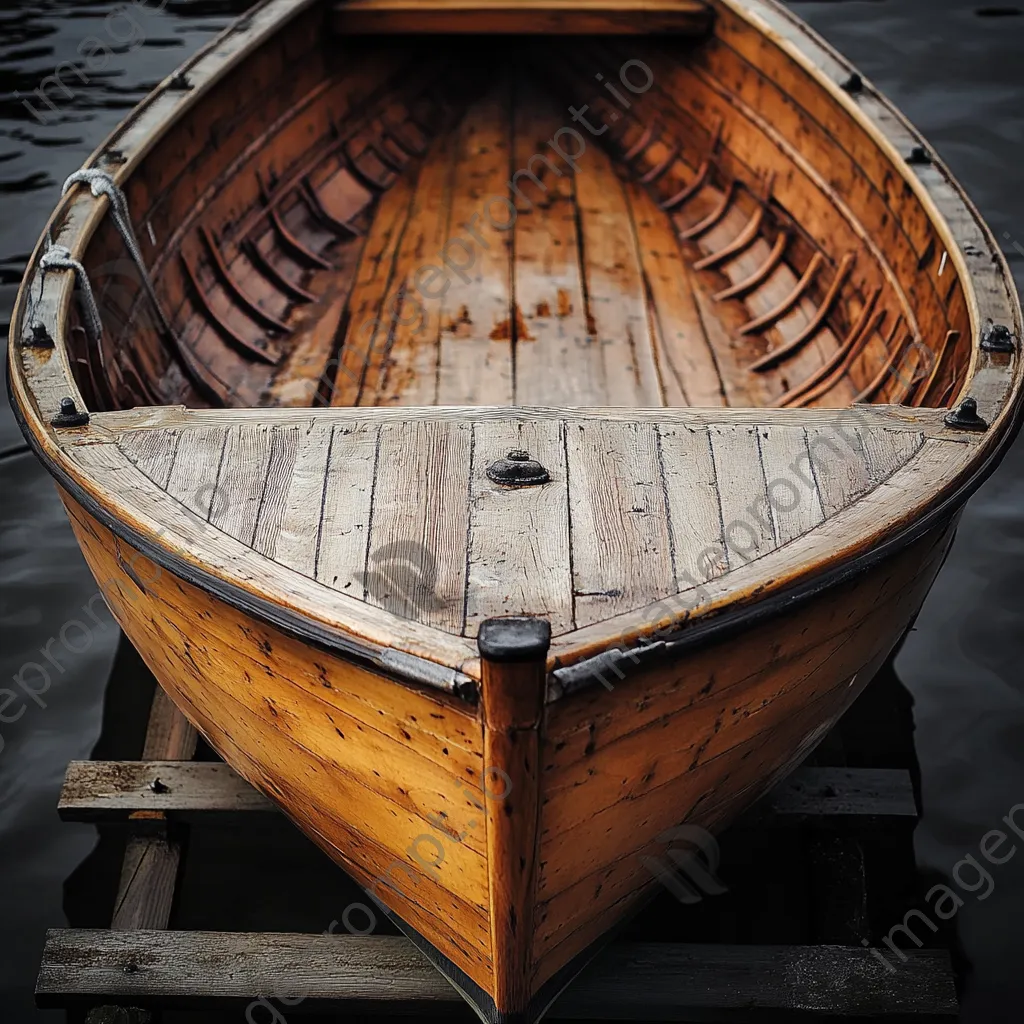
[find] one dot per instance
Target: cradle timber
(532, 428)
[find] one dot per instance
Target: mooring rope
(102, 184)
(58, 257)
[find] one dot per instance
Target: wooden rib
(952, 337)
(318, 210)
(360, 175)
(294, 245)
(769, 318)
(737, 245)
(251, 307)
(272, 274)
(823, 379)
(702, 226)
(222, 328)
(689, 190)
(645, 139)
(871, 390)
(815, 323)
(373, 145)
(656, 172)
(760, 275)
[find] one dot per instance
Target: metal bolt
(517, 469)
(854, 84)
(997, 338)
(69, 415)
(919, 155)
(159, 787)
(40, 335)
(966, 417)
(180, 82)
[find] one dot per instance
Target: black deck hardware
(801, 908)
(965, 417)
(854, 85)
(919, 156)
(39, 336)
(180, 82)
(515, 638)
(69, 415)
(517, 469)
(997, 338)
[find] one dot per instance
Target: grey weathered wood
(385, 974)
(106, 790)
(112, 790)
(149, 874)
(854, 796)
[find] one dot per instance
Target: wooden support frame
(521, 17)
(381, 975)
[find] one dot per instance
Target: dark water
(954, 67)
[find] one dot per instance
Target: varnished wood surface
(677, 309)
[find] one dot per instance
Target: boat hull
(399, 784)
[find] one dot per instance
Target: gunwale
(795, 572)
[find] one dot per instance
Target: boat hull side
(698, 739)
(382, 776)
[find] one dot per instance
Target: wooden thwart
(385, 974)
(521, 17)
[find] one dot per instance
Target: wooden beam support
(111, 791)
(522, 17)
(385, 975)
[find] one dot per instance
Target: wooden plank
(345, 525)
(747, 523)
(290, 519)
(621, 548)
(149, 873)
(557, 360)
(193, 478)
(408, 375)
(856, 797)
(616, 297)
(518, 17)
(477, 318)
(365, 327)
(519, 557)
(243, 479)
(686, 362)
(416, 564)
(385, 974)
(111, 790)
(791, 488)
(691, 490)
(152, 452)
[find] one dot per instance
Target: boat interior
(586, 221)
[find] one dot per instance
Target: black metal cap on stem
(516, 638)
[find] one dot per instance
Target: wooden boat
(525, 429)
